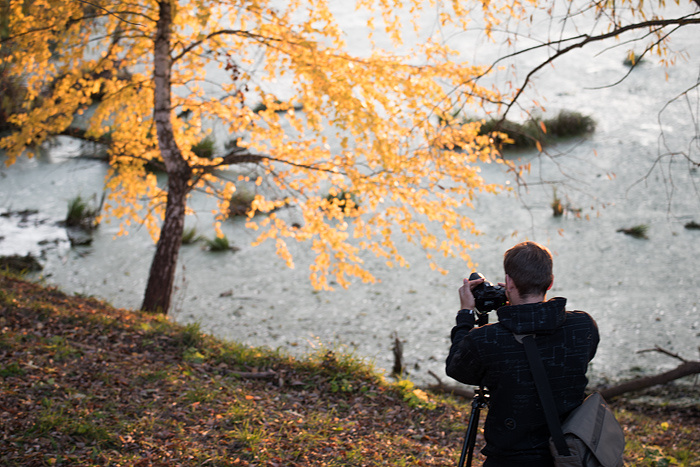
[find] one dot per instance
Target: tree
(150, 78)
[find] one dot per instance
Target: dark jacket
(490, 356)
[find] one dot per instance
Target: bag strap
(545, 392)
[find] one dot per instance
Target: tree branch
(110, 13)
(82, 134)
(236, 32)
(664, 351)
(240, 156)
(686, 368)
(585, 39)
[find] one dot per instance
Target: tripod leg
(470, 436)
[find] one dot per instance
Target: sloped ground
(82, 383)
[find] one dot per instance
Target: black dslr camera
(486, 295)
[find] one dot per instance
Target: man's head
(529, 265)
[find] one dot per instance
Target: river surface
(642, 292)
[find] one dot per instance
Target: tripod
(481, 401)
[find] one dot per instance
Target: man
(515, 429)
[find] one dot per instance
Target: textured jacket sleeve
(463, 362)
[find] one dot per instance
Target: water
(643, 293)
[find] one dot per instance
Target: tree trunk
(162, 274)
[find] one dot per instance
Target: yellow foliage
(328, 122)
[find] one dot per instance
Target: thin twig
(664, 351)
(109, 12)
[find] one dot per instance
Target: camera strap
(544, 390)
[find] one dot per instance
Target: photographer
(516, 432)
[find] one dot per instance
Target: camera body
(487, 296)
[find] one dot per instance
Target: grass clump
(568, 125)
(190, 236)
(557, 206)
(637, 231)
(536, 132)
(205, 148)
(219, 243)
(82, 213)
(632, 59)
(20, 264)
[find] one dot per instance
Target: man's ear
(509, 282)
(551, 283)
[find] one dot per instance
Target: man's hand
(466, 299)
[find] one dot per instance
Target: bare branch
(664, 351)
(584, 40)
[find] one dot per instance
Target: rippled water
(643, 293)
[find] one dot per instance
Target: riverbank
(82, 383)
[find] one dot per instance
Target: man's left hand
(466, 298)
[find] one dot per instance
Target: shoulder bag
(590, 436)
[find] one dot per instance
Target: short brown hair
(529, 266)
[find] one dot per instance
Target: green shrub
(81, 213)
(205, 148)
(569, 124)
(529, 134)
(521, 136)
(218, 243)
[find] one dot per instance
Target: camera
(486, 295)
